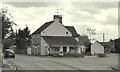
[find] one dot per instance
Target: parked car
(9, 53)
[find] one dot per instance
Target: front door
(64, 49)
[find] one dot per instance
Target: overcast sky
(102, 16)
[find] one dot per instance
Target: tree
(117, 45)
(10, 41)
(91, 33)
(84, 40)
(7, 23)
(23, 39)
(111, 40)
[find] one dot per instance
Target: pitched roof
(42, 27)
(72, 30)
(58, 40)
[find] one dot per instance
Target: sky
(101, 16)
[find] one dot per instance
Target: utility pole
(57, 11)
(103, 37)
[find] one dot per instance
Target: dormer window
(66, 32)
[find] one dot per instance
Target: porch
(65, 49)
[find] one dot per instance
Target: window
(66, 32)
(73, 49)
(33, 40)
(55, 48)
(38, 40)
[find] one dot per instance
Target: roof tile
(58, 40)
(39, 30)
(70, 28)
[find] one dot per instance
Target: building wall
(56, 29)
(44, 48)
(35, 40)
(97, 48)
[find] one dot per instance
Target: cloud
(0, 5)
(107, 16)
(111, 32)
(99, 16)
(105, 5)
(95, 5)
(34, 17)
(82, 13)
(32, 4)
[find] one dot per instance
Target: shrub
(74, 55)
(102, 55)
(88, 54)
(55, 54)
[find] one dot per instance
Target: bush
(74, 55)
(55, 54)
(88, 54)
(102, 55)
(17, 51)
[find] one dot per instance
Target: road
(24, 62)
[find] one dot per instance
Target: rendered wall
(56, 29)
(44, 49)
(97, 48)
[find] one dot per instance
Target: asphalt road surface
(24, 62)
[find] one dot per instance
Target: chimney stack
(58, 17)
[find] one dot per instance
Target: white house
(97, 48)
(102, 47)
(53, 36)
